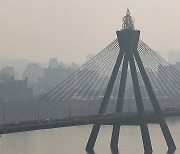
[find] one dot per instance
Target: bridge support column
(119, 106)
(128, 39)
(140, 107)
(157, 109)
(102, 109)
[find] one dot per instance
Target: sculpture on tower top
(128, 22)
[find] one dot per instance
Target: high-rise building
(33, 72)
(15, 90)
(53, 76)
(8, 73)
(53, 63)
(174, 56)
(177, 66)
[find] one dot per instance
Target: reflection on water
(170, 152)
(115, 151)
(91, 152)
(72, 140)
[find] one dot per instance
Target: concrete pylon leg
(128, 40)
(92, 138)
(140, 107)
(102, 109)
(115, 136)
(166, 132)
(119, 106)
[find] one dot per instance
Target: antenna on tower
(128, 22)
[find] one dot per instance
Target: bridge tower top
(128, 22)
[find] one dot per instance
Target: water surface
(72, 140)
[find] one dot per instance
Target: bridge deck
(106, 119)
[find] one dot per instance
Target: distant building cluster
(36, 79)
(44, 79)
(14, 90)
(11, 88)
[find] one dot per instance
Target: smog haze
(69, 30)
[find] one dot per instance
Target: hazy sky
(71, 29)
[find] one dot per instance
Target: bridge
(126, 68)
(106, 119)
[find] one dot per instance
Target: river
(72, 140)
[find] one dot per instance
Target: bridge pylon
(128, 39)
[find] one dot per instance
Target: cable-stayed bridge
(127, 83)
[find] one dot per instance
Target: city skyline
(88, 64)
